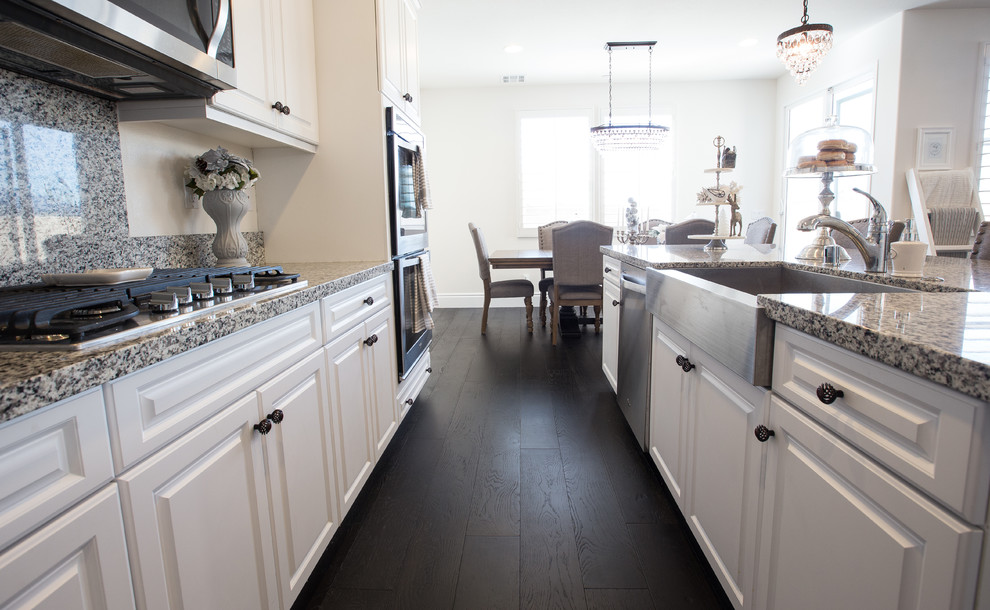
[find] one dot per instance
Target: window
(853, 104)
(556, 168)
(563, 178)
(983, 169)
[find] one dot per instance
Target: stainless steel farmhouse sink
(715, 308)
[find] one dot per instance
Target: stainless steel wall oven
(409, 239)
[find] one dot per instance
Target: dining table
(522, 259)
(542, 260)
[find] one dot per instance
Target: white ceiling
(462, 41)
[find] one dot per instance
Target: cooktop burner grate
(39, 316)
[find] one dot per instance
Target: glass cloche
(840, 149)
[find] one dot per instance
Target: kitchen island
(858, 476)
(937, 333)
(32, 379)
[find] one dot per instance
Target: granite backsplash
(62, 206)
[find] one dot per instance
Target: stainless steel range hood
(98, 47)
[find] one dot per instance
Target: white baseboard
(458, 300)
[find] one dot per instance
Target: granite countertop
(941, 333)
(30, 380)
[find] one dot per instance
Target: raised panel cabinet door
(298, 85)
(197, 518)
(610, 333)
(668, 420)
(78, 561)
(254, 49)
(382, 364)
(724, 467)
(839, 531)
(299, 451)
(410, 45)
(350, 400)
(390, 49)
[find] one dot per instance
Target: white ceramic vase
(227, 207)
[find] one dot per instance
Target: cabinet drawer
(149, 408)
(410, 387)
(344, 309)
(49, 460)
(924, 432)
(610, 270)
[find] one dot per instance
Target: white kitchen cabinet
(381, 368)
(50, 460)
(398, 54)
(275, 102)
(78, 561)
(840, 531)
(197, 517)
(610, 320)
(347, 368)
(409, 388)
(701, 423)
(301, 477)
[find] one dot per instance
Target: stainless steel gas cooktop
(43, 317)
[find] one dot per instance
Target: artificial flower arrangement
(219, 169)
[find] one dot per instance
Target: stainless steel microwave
(122, 49)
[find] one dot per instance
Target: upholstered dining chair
(503, 288)
(577, 269)
(861, 224)
(981, 246)
(544, 236)
(760, 231)
(677, 233)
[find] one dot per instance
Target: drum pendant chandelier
(613, 138)
(803, 48)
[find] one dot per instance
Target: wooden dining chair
(501, 289)
(544, 236)
(577, 269)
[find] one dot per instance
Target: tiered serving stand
(717, 197)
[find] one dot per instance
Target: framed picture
(935, 147)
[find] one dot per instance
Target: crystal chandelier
(612, 138)
(803, 48)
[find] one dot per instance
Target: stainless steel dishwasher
(635, 330)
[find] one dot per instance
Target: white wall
(154, 158)
(472, 159)
(939, 85)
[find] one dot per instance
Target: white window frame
(981, 123)
(588, 113)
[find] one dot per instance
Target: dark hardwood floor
(514, 482)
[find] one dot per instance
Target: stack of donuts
(831, 153)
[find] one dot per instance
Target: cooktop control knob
(243, 282)
(182, 293)
(222, 285)
(162, 301)
(201, 291)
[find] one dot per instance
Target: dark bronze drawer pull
(827, 393)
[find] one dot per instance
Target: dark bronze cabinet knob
(276, 416)
(684, 363)
(280, 107)
(614, 303)
(264, 426)
(429, 369)
(373, 339)
(827, 393)
(608, 270)
(369, 301)
(763, 433)
(285, 110)
(409, 401)
(408, 98)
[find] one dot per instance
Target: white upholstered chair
(577, 269)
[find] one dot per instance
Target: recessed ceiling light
(749, 42)
(513, 48)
